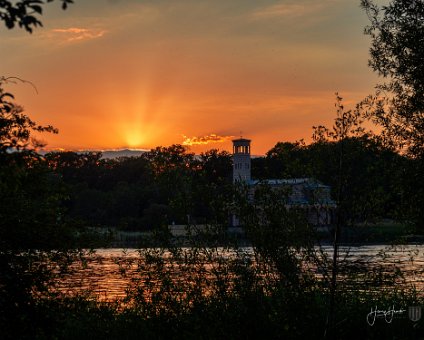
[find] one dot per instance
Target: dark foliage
(25, 13)
(397, 54)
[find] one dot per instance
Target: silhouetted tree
(24, 13)
(34, 236)
(16, 128)
(397, 54)
(216, 166)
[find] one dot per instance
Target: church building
(307, 193)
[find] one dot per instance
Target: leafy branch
(25, 13)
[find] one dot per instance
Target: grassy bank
(385, 232)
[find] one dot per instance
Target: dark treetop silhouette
(24, 13)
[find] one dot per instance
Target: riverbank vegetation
(278, 288)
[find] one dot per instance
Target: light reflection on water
(104, 277)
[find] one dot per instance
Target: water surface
(105, 277)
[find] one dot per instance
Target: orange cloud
(203, 140)
(77, 34)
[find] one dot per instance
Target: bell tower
(241, 160)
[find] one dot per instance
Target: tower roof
(241, 140)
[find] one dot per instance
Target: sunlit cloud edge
(204, 140)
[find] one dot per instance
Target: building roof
(290, 181)
(241, 140)
(300, 197)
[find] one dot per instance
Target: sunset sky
(138, 74)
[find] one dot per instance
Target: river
(103, 274)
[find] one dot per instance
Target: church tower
(241, 160)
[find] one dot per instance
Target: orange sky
(131, 73)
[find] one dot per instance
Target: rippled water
(104, 277)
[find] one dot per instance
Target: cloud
(203, 140)
(284, 9)
(78, 34)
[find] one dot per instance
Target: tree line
(172, 185)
